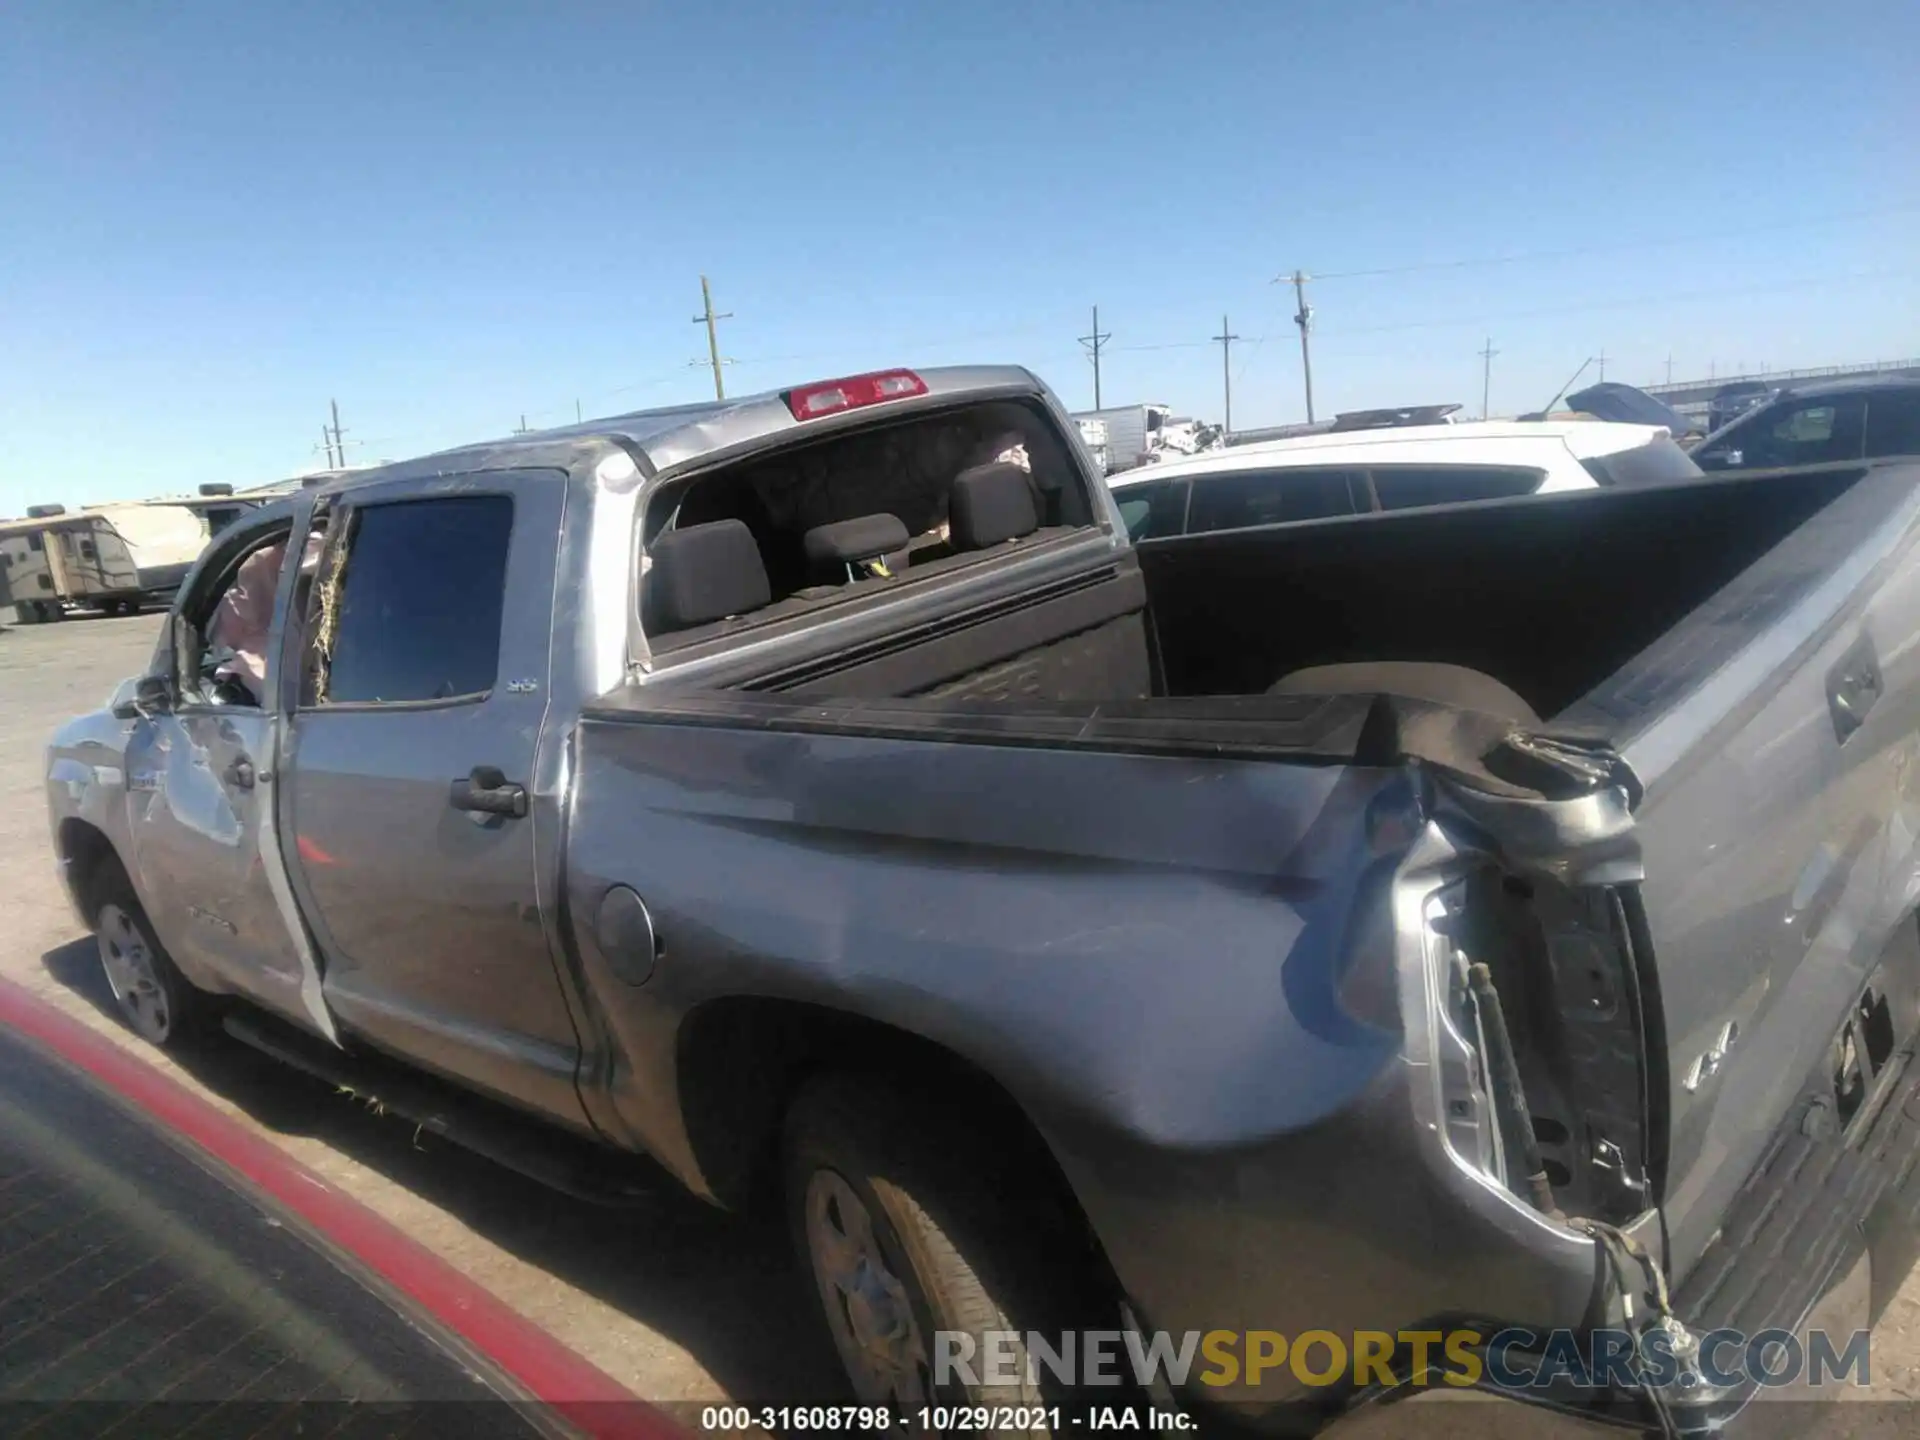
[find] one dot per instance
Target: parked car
(1359, 472)
(1333, 927)
(1820, 424)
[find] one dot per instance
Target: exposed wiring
(1624, 1255)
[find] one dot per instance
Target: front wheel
(934, 1259)
(154, 998)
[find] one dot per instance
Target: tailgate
(1774, 735)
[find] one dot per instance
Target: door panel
(430, 916)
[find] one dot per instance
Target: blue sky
(215, 218)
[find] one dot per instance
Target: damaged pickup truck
(1501, 914)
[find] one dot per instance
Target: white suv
(1358, 472)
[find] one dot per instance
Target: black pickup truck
(1498, 915)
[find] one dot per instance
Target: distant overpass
(1690, 397)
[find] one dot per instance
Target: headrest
(990, 504)
(705, 572)
(848, 542)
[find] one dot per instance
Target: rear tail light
(829, 397)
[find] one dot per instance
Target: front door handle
(487, 791)
(239, 773)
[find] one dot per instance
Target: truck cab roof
(676, 436)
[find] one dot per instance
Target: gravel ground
(680, 1303)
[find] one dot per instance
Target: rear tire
(158, 1003)
(907, 1227)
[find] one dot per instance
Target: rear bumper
(1823, 1204)
(1818, 1241)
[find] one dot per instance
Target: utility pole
(1486, 375)
(1669, 368)
(1225, 340)
(523, 425)
(713, 335)
(1601, 360)
(326, 442)
(1303, 317)
(1094, 343)
(576, 412)
(339, 445)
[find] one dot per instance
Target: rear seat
(840, 552)
(704, 573)
(990, 505)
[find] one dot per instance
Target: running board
(574, 1166)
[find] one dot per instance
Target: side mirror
(152, 695)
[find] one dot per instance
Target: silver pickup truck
(1501, 914)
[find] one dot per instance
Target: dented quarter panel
(1147, 951)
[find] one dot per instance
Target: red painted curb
(573, 1388)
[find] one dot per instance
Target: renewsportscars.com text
(1512, 1359)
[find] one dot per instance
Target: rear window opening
(851, 515)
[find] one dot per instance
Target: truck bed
(1158, 921)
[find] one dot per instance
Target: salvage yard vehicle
(1868, 418)
(1365, 471)
(114, 558)
(819, 794)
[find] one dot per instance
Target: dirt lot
(676, 1301)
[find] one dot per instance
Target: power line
(1225, 340)
(713, 335)
(1528, 256)
(1636, 302)
(1094, 344)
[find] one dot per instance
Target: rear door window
(1893, 423)
(1407, 487)
(420, 601)
(1243, 498)
(1805, 432)
(1154, 509)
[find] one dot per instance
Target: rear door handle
(487, 791)
(1853, 685)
